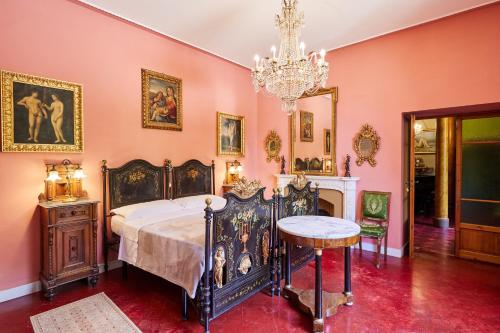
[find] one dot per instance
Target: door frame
(458, 111)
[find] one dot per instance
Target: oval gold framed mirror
(366, 144)
(272, 146)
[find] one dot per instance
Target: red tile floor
(426, 294)
(434, 240)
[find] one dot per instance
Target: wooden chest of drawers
(68, 243)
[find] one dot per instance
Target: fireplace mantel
(345, 185)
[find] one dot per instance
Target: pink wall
(68, 41)
(451, 62)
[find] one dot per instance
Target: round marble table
(319, 232)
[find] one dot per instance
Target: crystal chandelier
(293, 72)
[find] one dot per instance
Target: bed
(166, 220)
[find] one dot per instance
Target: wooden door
(477, 197)
(409, 181)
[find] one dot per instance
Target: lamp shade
(79, 174)
(53, 175)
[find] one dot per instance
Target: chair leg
(377, 262)
(360, 245)
(385, 247)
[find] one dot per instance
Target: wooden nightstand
(68, 243)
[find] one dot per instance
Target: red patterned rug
(96, 313)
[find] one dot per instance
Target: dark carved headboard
(191, 178)
(134, 182)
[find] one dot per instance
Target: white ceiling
(236, 30)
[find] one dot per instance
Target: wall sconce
(63, 182)
(233, 171)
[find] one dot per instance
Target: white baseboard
(398, 253)
(19, 291)
(36, 286)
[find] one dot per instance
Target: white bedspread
(166, 238)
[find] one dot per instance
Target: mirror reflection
(313, 134)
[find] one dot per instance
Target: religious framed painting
(327, 141)
(40, 114)
(161, 101)
(230, 135)
(306, 126)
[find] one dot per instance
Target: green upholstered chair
(374, 223)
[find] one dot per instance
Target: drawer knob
(73, 212)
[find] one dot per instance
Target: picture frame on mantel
(40, 114)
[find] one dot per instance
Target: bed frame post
(184, 304)
(104, 170)
(279, 245)
(316, 199)
(208, 254)
(168, 179)
(272, 257)
(213, 176)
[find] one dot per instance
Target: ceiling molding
(437, 18)
(104, 10)
(90, 4)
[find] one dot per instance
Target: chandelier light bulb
(256, 58)
(273, 50)
(303, 49)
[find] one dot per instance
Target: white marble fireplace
(345, 185)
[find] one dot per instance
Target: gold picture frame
(272, 145)
(306, 126)
(230, 135)
(327, 141)
(40, 114)
(366, 144)
(161, 101)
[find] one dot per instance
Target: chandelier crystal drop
(292, 72)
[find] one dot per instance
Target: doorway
(438, 217)
(434, 163)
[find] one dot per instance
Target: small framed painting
(230, 135)
(161, 101)
(40, 114)
(327, 141)
(425, 136)
(306, 126)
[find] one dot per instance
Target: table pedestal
(311, 301)
(304, 298)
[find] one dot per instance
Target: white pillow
(198, 201)
(158, 206)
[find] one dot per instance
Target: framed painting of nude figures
(161, 101)
(230, 135)
(40, 114)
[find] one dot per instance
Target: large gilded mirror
(312, 134)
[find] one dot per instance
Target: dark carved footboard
(240, 251)
(302, 201)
